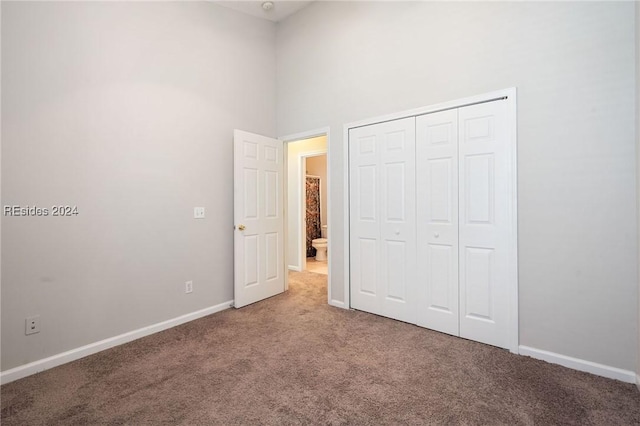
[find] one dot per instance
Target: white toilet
(320, 244)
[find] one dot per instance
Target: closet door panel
(484, 223)
(382, 218)
(437, 220)
(397, 231)
(364, 218)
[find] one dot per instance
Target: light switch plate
(198, 212)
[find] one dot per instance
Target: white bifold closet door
(382, 218)
(437, 220)
(463, 222)
(431, 221)
(485, 222)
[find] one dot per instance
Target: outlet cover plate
(32, 325)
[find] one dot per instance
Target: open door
(259, 218)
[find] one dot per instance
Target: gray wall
(573, 65)
(638, 163)
(126, 110)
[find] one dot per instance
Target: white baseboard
(337, 304)
(295, 268)
(90, 349)
(580, 364)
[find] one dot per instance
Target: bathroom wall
(125, 110)
(317, 166)
(295, 151)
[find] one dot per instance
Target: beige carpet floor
(293, 359)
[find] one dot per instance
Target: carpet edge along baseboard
(92, 348)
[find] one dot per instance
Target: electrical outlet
(188, 287)
(32, 325)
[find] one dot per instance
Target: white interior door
(485, 222)
(259, 218)
(382, 218)
(437, 220)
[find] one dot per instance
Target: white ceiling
(281, 8)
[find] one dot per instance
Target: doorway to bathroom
(315, 213)
(307, 204)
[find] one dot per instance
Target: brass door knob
(241, 227)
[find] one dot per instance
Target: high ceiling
(281, 8)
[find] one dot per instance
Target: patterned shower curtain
(313, 213)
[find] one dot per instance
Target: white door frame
(324, 131)
(510, 97)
